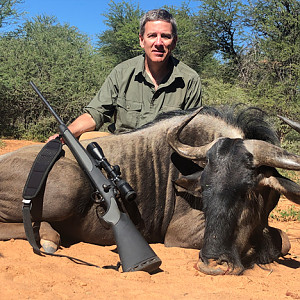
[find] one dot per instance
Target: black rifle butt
(135, 253)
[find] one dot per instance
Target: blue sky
(86, 14)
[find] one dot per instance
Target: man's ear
(141, 38)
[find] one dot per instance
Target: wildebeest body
(148, 169)
(219, 203)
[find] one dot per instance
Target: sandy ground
(25, 275)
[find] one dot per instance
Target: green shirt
(129, 92)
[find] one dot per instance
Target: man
(137, 90)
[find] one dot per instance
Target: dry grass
(2, 144)
(285, 215)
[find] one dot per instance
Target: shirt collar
(176, 72)
(140, 67)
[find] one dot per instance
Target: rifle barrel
(58, 119)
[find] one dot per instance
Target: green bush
(60, 61)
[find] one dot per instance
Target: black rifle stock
(135, 253)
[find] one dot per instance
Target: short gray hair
(156, 15)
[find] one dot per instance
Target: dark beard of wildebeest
(205, 179)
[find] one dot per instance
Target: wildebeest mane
(254, 123)
(251, 120)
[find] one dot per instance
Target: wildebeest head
(239, 186)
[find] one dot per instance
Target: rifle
(135, 253)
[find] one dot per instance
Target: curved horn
(263, 153)
(189, 152)
(270, 155)
(291, 123)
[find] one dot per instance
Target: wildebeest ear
(190, 183)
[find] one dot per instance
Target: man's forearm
(82, 124)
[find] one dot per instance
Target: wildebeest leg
(49, 238)
(12, 231)
(44, 233)
(186, 229)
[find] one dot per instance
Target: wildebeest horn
(263, 153)
(195, 153)
(270, 155)
(293, 124)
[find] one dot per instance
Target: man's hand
(82, 124)
(54, 137)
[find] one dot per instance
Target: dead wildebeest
(204, 180)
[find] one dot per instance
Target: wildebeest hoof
(213, 267)
(48, 246)
(286, 245)
(280, 240)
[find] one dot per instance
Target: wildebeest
(204, 180)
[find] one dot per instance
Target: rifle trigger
(96, 197)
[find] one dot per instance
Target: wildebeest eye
(203, 164)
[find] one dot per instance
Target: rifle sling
(40, 169)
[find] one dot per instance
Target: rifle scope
(113, 173)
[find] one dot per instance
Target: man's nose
(158, 40)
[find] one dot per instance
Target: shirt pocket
(166, 108)
(128, 113)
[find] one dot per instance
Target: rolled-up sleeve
(102, 107)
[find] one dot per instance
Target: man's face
(158, 41)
